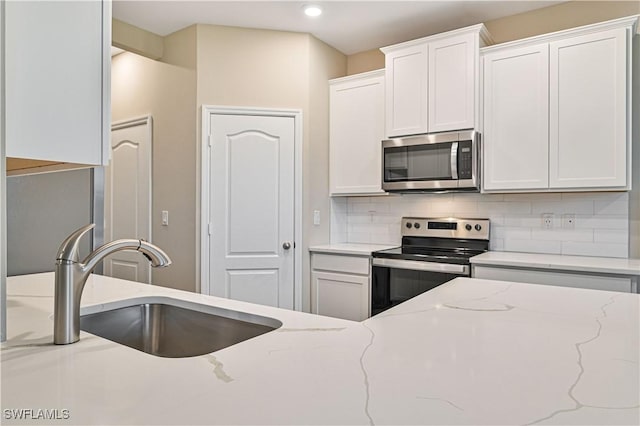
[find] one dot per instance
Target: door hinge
(209, 226)
(209, 141)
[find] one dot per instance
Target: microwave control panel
(465, 160)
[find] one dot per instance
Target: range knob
(468, 227)
(478, 227)
(408, 225)
(416, 225)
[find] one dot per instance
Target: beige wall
(143, 86)
(365, 61)
(275, 69)
(325, 63)
(560, 17)
(247, 67)
(136, 40)
(217, 65)
(541, 21)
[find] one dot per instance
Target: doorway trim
(296, 114)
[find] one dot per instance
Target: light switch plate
(316, 217)
(165, 218)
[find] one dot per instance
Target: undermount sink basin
(164, 329)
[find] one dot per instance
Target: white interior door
(251, 211)
(127, 197)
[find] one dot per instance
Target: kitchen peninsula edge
(468, 352)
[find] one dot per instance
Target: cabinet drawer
(340, 263)
(558, 278)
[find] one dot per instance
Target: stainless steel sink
(164, 329)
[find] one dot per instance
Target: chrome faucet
(71, 276)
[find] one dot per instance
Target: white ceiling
(349, 26)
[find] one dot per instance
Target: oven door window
(417, 163)
(390, 286)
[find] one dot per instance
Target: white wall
(601, 227)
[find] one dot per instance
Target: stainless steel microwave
(431, 163)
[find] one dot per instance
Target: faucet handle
(69, 248)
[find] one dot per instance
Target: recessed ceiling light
(312, 10)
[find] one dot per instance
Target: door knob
(286, 245)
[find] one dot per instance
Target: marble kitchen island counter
(468, 352)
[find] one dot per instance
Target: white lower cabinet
(625, 284)
(340, 286)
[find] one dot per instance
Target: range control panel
(477, 229)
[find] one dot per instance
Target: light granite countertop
(468, 352)
(602, 265)
(356, 249)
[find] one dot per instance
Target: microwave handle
(454, 161)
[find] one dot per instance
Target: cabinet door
(340, 295)
(515, 139)
(406, 91)
(452, 83)
(588, 111)
(56, 65)
(356, 131)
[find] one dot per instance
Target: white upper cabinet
(588, 92)
(356, 130)
(406, 90)
(432, 83)
(557, 111)
(58, 81)
(516, 118)
(453, 82)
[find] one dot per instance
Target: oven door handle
(448, 268)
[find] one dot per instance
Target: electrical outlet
(316, 217)
(569, 221)
(547, 220)
(165, 218)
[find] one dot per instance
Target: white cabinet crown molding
(356, 77)
(631, 22)
(485, 38)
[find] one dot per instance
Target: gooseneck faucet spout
(71, 277)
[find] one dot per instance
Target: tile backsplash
(600, 228)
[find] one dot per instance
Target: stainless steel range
(433, 252)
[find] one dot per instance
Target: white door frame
(296, 114)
